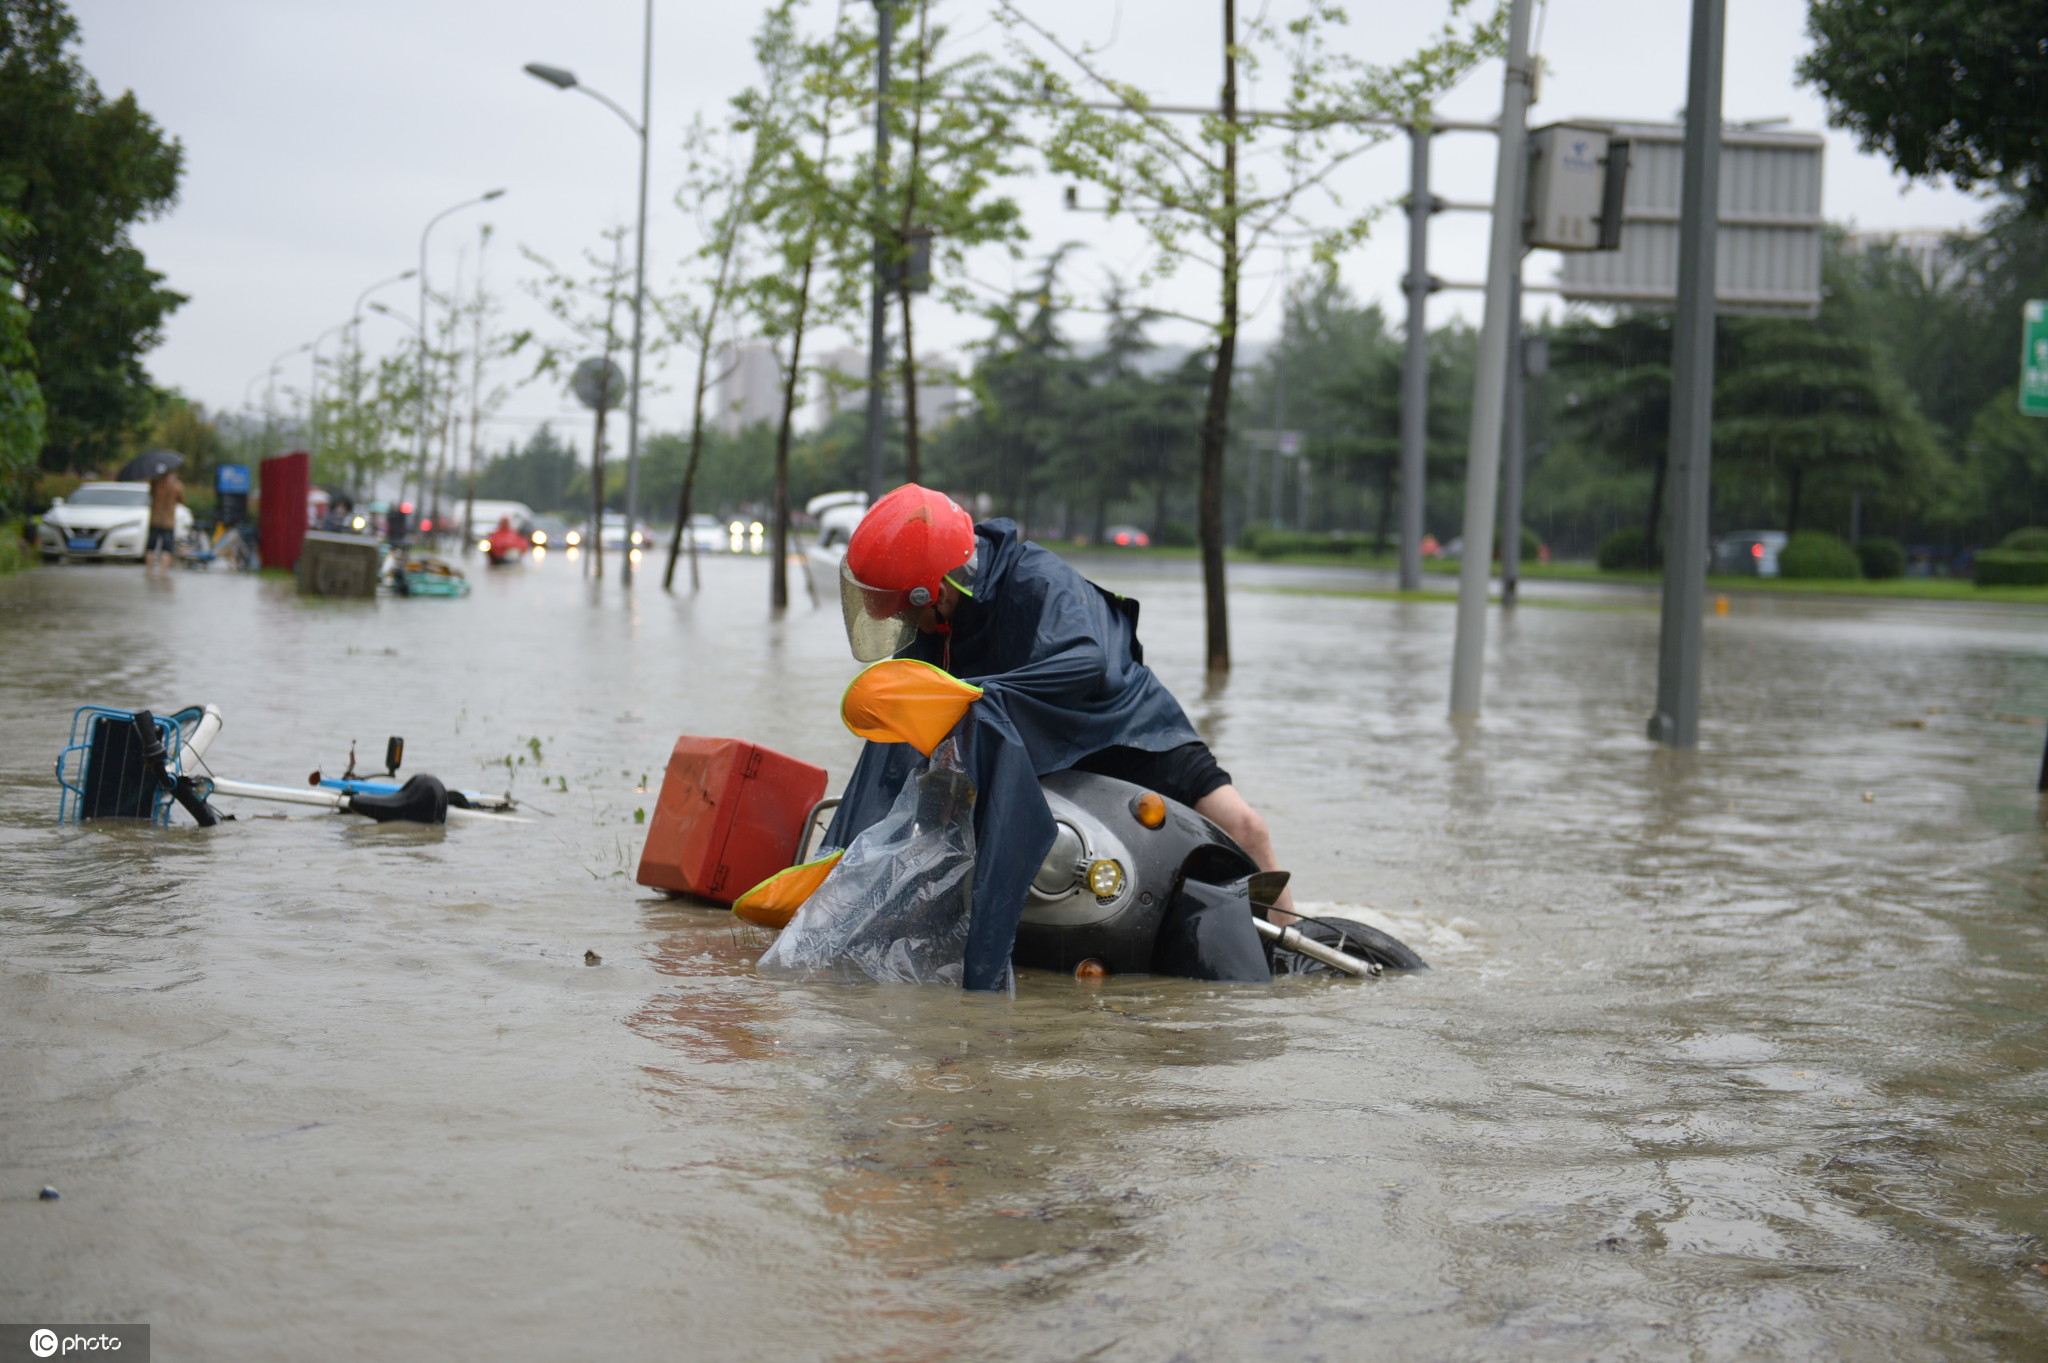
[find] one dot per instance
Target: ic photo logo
(45, 1343)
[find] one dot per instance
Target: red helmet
(897, 561)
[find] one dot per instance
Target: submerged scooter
(134, 764)
(1136, 883)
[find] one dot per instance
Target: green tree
(2006, 463)
(1812, 402)
(588, 308)
(1939, 87)
(80, 169)
(1196, 201)
(22, 414)
(958, 139)
(801, 211)
(539, 473)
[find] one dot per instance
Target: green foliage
(2032, 539)
(22, 413)
(1817, 554)
(1626, 551)
(540, 474)
(1174, 535)
(1938, 87)
(1881, 558)
(1269, 543)
(80, 169)
(2011, 568)
(2006, 461)
(1811, 403)
(16, 550)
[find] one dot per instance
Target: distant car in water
(550, 532)
(706, 534)
(101, 521)
(1747, 553)
(614, 526)
(1126, 537)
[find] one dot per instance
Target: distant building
(1930, 249)
(750, 390)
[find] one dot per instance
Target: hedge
(2011, 568)
(1881, 558)
(2032, 540)
(1622, 552)
(1817, 554)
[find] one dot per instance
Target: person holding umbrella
(159, 468)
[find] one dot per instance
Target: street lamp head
(407, 275)
(553, 75)
(494, 194)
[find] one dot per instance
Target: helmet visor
(879, 623)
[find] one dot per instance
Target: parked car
(101, 521)
(1125, 537)
(705, 534)
(837, 514)
(614, 527)
(1748, 553)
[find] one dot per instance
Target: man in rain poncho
(1058, 681)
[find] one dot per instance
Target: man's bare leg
(1230, 812)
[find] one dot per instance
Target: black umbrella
(149, 464)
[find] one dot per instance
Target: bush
(1269, 543)
(1817, 554)
(1177, 535)
(1881, 558)
(2032, 540)
(1622, 552)
(2011, 568)
(16, 551)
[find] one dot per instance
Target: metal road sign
(1768, 246)
(2034, 360)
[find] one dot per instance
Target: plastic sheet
(898, 905)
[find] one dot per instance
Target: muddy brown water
(1739, 1054)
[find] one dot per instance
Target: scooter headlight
(1105, 878)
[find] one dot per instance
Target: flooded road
(1735, 1054)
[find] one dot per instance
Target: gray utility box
(339, 565)
(1578, 176)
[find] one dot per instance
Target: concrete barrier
(339, 565)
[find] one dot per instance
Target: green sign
(2034, 360)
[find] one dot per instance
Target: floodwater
(1739, 1054)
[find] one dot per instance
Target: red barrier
(283, 483)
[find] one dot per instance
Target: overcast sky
(320, 137)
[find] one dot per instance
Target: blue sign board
(231, 478)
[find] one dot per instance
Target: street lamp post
(563, 79)
(421, 471)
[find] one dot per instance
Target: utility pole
(1676, 721)
(1415, 360)
(878, 317)
(639, 301)
(1482, 458)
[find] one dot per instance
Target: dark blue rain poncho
(1062, 676)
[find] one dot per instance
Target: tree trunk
(912, 466)
(778, 542)
(1216, 415)
(1796, 476)
(1379, 534)
(1655, 520)
(684, 499)
(913, 471)
(596, 545)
